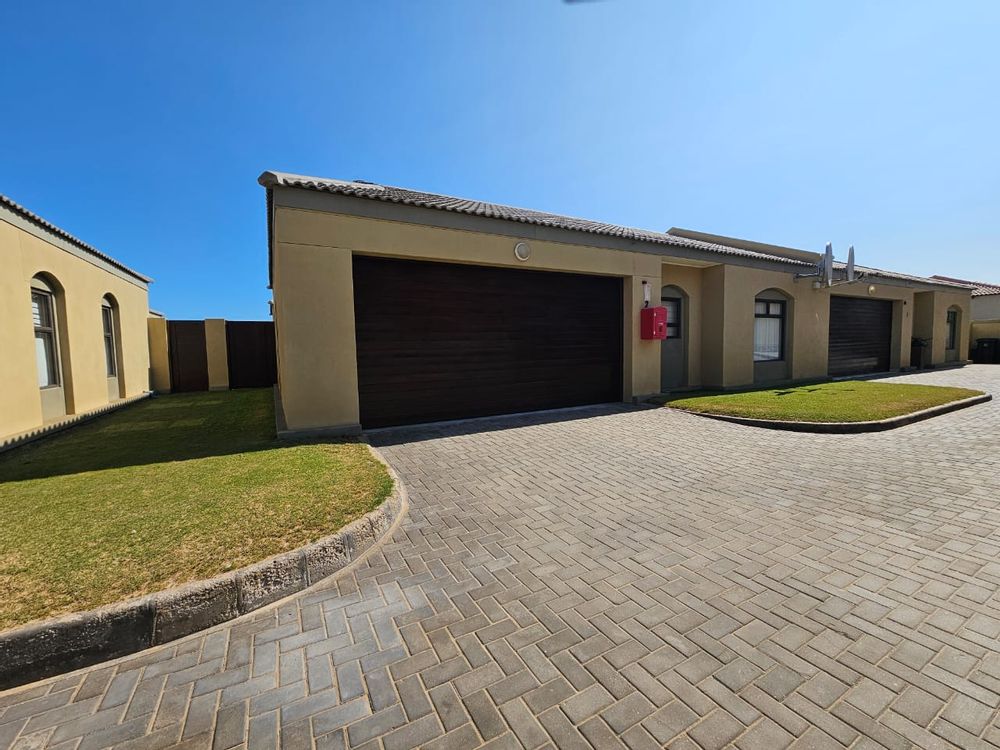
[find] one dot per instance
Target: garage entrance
(438, 341)
(860, 335)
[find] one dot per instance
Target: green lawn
(170, 490)
(845, 401)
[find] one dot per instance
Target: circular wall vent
(522, 251)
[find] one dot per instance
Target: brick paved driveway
(625, 577)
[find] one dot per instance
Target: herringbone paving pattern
(611, 578)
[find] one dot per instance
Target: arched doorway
(953, 334)
(673, 349)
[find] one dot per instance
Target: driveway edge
(80, 639)
(847, 428)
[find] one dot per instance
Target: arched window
(770, 314)
(43, 313)
(110, 345)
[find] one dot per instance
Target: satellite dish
(827, 265)
(850, 264)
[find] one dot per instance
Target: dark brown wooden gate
(252, 360)
(188, 356)
(860, 335)
(438, 341)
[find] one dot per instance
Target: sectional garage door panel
(443, 341)
(860, 335)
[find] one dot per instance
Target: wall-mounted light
(645, 293)
(522, 251)
(871, 289)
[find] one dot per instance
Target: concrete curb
(847, 428)
(69, 642)
(73, 420)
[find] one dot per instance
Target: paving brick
(512, 687)
(715, 731)
(630, 592)
(524, 724)
(485, 715)
(918, 706)
(628, 711)
(449, 707)
(765, 735)
(780, 682)
(376, 725)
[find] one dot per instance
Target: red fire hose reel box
(653, 323)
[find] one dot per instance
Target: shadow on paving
(385, 436)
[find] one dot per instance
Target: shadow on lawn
(177, 427)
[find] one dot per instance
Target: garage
(860, 335)
(438, 341)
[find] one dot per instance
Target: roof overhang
(17, 215)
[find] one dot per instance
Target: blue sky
(142, 127)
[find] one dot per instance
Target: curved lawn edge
(846, 428)
(69, 642)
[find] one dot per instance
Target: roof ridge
(63, 234)
(473, 206)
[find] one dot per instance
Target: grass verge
(170, 490)
(844, 401)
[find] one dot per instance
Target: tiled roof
(389, 194)
(979, 288)
(52, 228)
(878, 272)
(406, 197)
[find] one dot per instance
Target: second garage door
(441, 341)
(860, 335)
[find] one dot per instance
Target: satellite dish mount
(828, 274)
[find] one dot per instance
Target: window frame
(951, 318)
(781, 317)
(680, 316)
(48, 332)
(110, 344)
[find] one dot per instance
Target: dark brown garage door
(441, 341)
(860, 335)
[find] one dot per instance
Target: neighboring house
(393, 306)
(73, 336)
(985, 313)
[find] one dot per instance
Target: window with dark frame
(110, 359)
(769, 331)
(46, 355)
(952, 329)
(673, 307)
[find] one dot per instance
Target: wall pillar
(159, 354)
(314, 331)
(641, 357)
(217, 353)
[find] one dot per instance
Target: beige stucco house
(985, 310)
(393, 306)
(73, 337)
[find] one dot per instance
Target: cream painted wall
(159, 355)
(986, 307)
(217, 354)
(689, 280)
(713, 322)
(931, 322)
(313, 295)
(23, 255)
(314, 330)
(809, 322)
(314, 315)
(985, 329)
